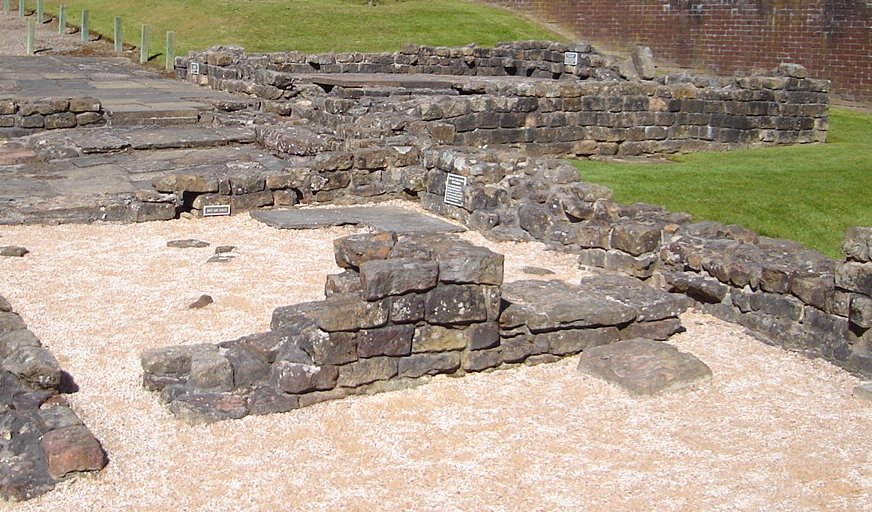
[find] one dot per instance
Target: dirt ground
(773, 431)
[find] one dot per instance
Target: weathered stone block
(814, 290)
(85, 104)
(470, 264)
(650, 303)
(61, 120)
(351, 251)
(295, 316)
(428, 364)
(572, 341)
(435, 338)
(249, 369)
(345, 282)
(658, 330)
(203, 408)
(483, 336)
(14, 340)
(635, 238)
(293, 377)
(185, 183)
(211, 371)
(349, 312)
(393, 340)
(696, 286)
(396, 276)
(855, 277)
(408, 308)
(35, 365)
(857, 244)
(861, 311)
(366, 371)
(172, 365)
(455, 304)
(479, 360)
(266, 400)
(326, 348)
(71, 449)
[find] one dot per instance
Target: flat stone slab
(385, 218)
(644, 367)
(864, 391)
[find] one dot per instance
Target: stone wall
(42, 441)
(829, 37)
(599, 113)
(18, 116)
(403, 309)
(785, 293)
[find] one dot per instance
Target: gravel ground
(773, 431)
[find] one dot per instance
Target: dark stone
(266, 400)
(537, 271)
(249, 369)
(855, 277)
(210, 371)
(325, 348)
(814, 290)
(13, 251)
(366, 371)
(393, 340)
(573, 341)
(349, 312)
(396, 276)
(408, 308)
(10, 322)
(264, 345)
(635, 238)
(657, 330)
(650, 303)
(644, 367)
(553, 305)
(296, 315)
(172, 365)
(204, 408)
(483, 336)
(435, 338)
(470, 264)
(857, 244)
(479, 360)
(12, 341)
(861, 311)
(35, 365)
(187, 244)
(455, 304)
(201, 303)
(419, 365)
(696, 286)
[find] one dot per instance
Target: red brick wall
(832, 38)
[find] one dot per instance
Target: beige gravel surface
(13, 33)
(773, 431)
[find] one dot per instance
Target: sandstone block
(408, 308)
(393, 340)
(419, 365)
(476, 361)
(353, 250)
(366, 371)
(71, 449)
(35, 365)
(349, 312)
(211, 371)
(203, 408)
(435, 338)
(857, 244)
(855, 277)
(397, 276)
(293, 377)
(455, 304)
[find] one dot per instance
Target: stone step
(63, 144)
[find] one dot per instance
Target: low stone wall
(42, 441)
(599, 114)
(784, 292)
(19, 116)
(404, 309)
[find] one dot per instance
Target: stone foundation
(20, 116)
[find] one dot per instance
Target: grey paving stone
(385, 218)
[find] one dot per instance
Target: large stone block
(351, 251)
(395, 340)
(659, 330)
(857, 244)
(861, 311)
(367, 371)
(573, 341)
(349, 312)
(455, 304)
(476, 361)
(12, 341)
(10, 322)
(435, 338)
(211, 371)
(203, 408)
(35, 365)
(294, 377)
(650, 303)
(470, 264)
(419, 365)
(635, 238)
(71, 449)
(397, 276)
(408, 308)
(345, 282)
(855, 277)
(696, 286)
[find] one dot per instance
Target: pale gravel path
(773, 430)
(13, 30)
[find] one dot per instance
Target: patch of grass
(807, 193)
(306, 25)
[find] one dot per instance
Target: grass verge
(305, 25)
(807, 193)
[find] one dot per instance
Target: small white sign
(570, 58)
(216, 210)
(455, 185)
(194, 68)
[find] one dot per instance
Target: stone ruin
(42, 440)
(350, 128)
(405, 308)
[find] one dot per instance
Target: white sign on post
(455, 185)
(216, 210)
(194, 68)
(570, 58)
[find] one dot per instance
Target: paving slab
(644, 367)
(385, 218)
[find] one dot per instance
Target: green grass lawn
(807, 193)
(306, 25)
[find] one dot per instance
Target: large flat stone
(385, 218)
(553, 305)
(650, 303)
(644, 367)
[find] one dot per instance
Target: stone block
(855, 277)
(171, 365)
(71, 449)
(32, 121)
(35, 365)
(470, 264)
(814, 290)
(326, 348)
(479, 360)
(419, 365)
(857, 244)
(696, 286)
(211, 371)
(397, 276)
(366, 371)
(573, 341)
(204, 408)
(185, 183)
(455, 304)
(249, 369)
(644, 367)
(861, 311)
(408, 308)
(14, 340)
(395, 340)
(351, 251)
(349, 312)
(435, 338)
(345, 282)
(483, 336)
(650, 303)
(293, 377)
(659, 330)
(266, 400)
(89, 118)
(61, 120)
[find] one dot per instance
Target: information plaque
(194, 68)
(570, 58)
(216, 210)
(455, 186)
